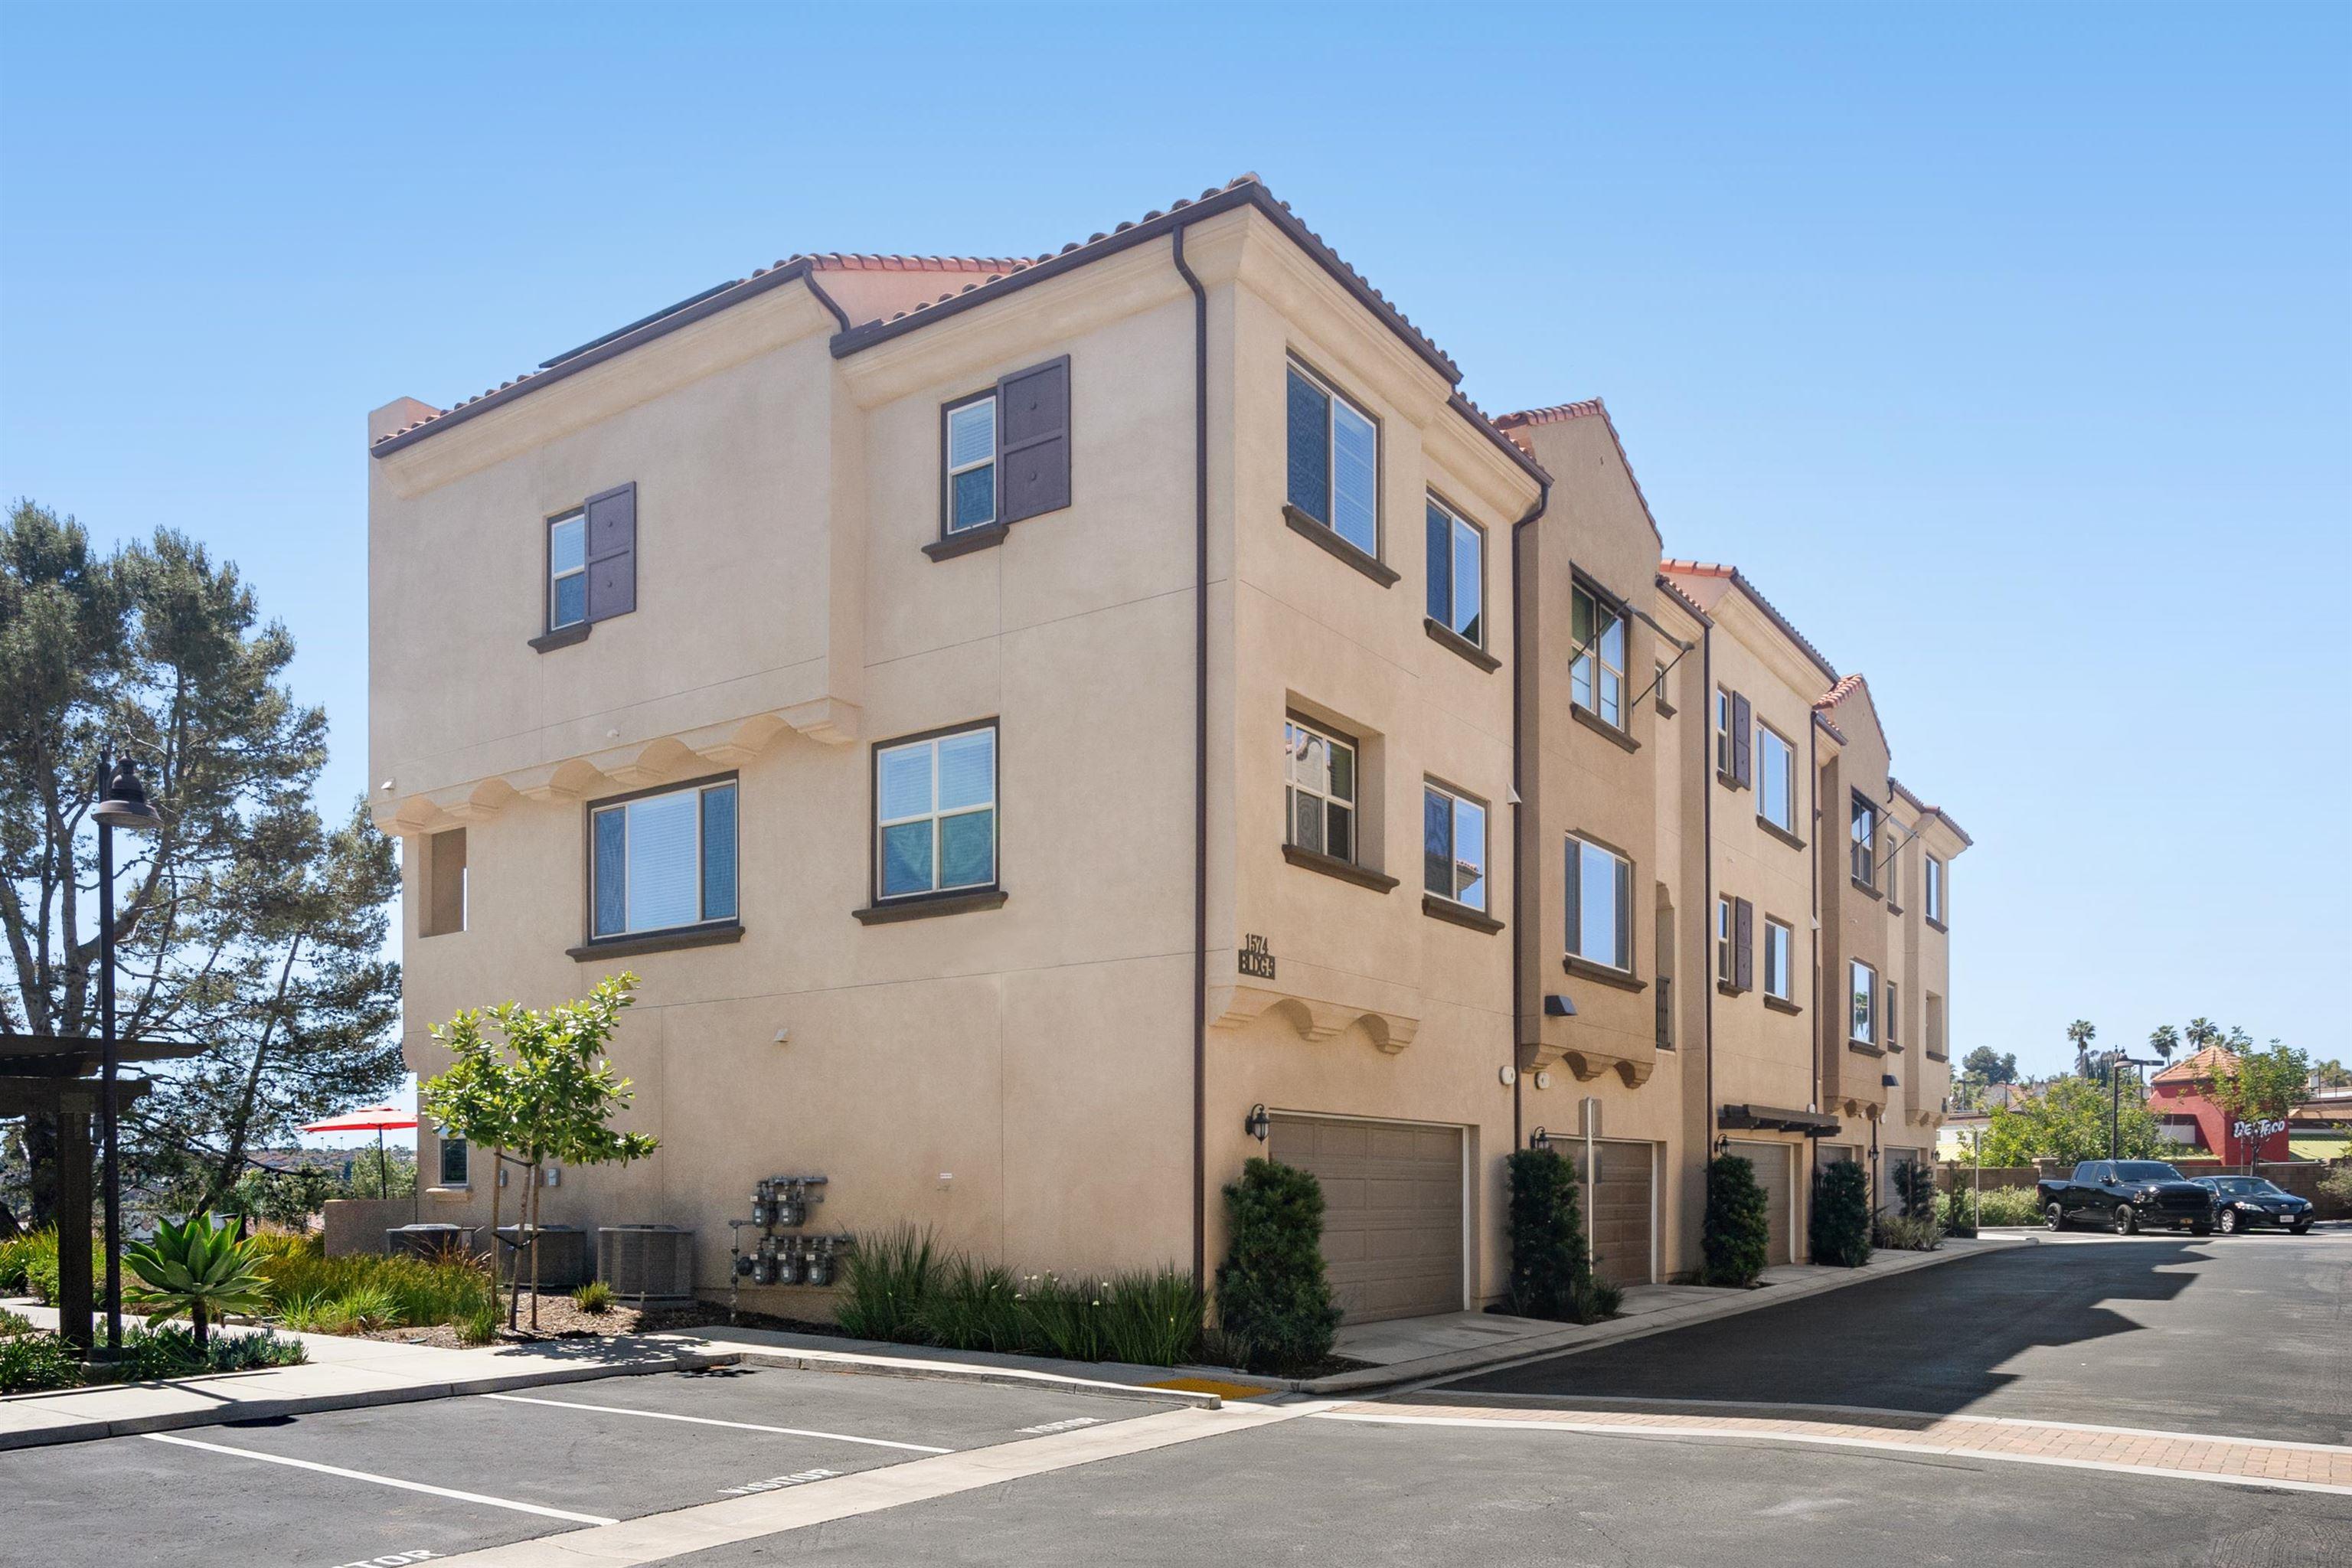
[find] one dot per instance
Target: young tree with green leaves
(243, 923)
(1984, 1064)
(2068, 1122)
(548, 1093)
(2263, 1085)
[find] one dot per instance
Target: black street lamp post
(2117, 1062)
(121, 803)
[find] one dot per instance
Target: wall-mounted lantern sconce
(1541, 1140)
(1257, 1123)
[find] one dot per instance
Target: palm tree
(2164, 1040)
(2082, 1031)
(2201, 1033)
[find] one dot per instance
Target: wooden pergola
(58, 1075)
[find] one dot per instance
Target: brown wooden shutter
(1033, 441)
(1743, 740)
(1743, 945)
(611, 552)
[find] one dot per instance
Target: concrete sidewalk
(343, 1374)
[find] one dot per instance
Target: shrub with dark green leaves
(1839, 1232)
(1551, 1271)
(1958, 1213)
(1274, 1302)
(1736, 1239)
(1915, 1186)
(33, 1363)
(886, 1283)
(2009, 1205)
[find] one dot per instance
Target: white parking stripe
(712, 1421)
(542, 1511)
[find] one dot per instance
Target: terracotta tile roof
(1559, 414)
(1838, 693)
(994, 275)
(1925, 809)
(1717, 571)
(1684, 598)
(2206, 1065)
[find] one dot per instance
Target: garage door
(1892, 1163)
(1619, 1207)
(1771, 1163)
(1391, 1210)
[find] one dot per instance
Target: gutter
(1200, 764)
(1521, 902)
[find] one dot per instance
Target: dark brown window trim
(1778, 832)
(1865, 1048)
(715, 933)
(1861, 886)
(986, 537)
(1327, 538)
(1779, 1005)
(1445, 637)
(1332, 866)
(1584, 968)
(548, 642)
(1460, 914)
(1936, 924)
(1603, 728)
(925, 906)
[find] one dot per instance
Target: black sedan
(2241, 1203)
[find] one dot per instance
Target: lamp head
(124, 801)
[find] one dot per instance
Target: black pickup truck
(2126, 1195)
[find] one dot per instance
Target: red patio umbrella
(375, 1119)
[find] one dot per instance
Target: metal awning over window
(1773, 1118)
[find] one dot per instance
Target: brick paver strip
(2309, 1463)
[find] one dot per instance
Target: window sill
(1938, 1057)
(929, 906)
(450, 1193)
(1728, 780)
(1779, 1005)
(1603, 728)
(1584, 968)
(1893, 908)
(1729, 989)
(1667, 710)
(1460, 914)
(1864, 1048)
(970, 539)
(548, 642)
(1332, 866)
(1862, 887)
(1936, 925)
(716, 934)
(1778, 832)
(1445, 637)
(1327, 538)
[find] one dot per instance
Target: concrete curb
(1574, 1339)
(810, 1357)
(92, 1430)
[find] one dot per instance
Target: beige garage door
(1391, 1210)
(1771, 1163)
(1619, 1208)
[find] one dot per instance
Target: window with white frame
(1892, 1026)
(663, 861)
(567, 570)
(935, 813)
(1776, 788)
(971, 463)
(1457, 572)
(1864, 1024)
(1863, 834)
(1780, 947)
(1320, 789)
(1454, 847)
(1660, 688)
(1725, 960)
(1599, 904)
(1335, 460)
(1596, 681)
(1723, 731)
(1935, 889)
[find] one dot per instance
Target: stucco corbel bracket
(1318, 1019)
(826, 720)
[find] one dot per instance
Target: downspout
(1200, 764)
(1521, 901)
(1706, 839)
(1813, 793)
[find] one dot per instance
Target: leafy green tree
(1986, 1065)
(1840, 1227)
(1735, 1236)
(2067, 1122)
(1274, 1301)
(194, 1268)
(2263, 1084)
(242, 922)
(2331, 1074)
(1552, 1267)
(555, 1089)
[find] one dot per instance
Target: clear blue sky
(2005, 347)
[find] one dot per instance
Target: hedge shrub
(1839, 1231)
(1274, 1302)
(1551, 1278)
(1736, 1239)
(1915, 1185)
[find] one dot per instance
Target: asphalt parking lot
(2245, 1336)
(454, 1475)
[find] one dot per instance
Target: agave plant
(195, 1268)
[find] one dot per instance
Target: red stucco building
(2181, 1097)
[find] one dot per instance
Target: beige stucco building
(1044, 730)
